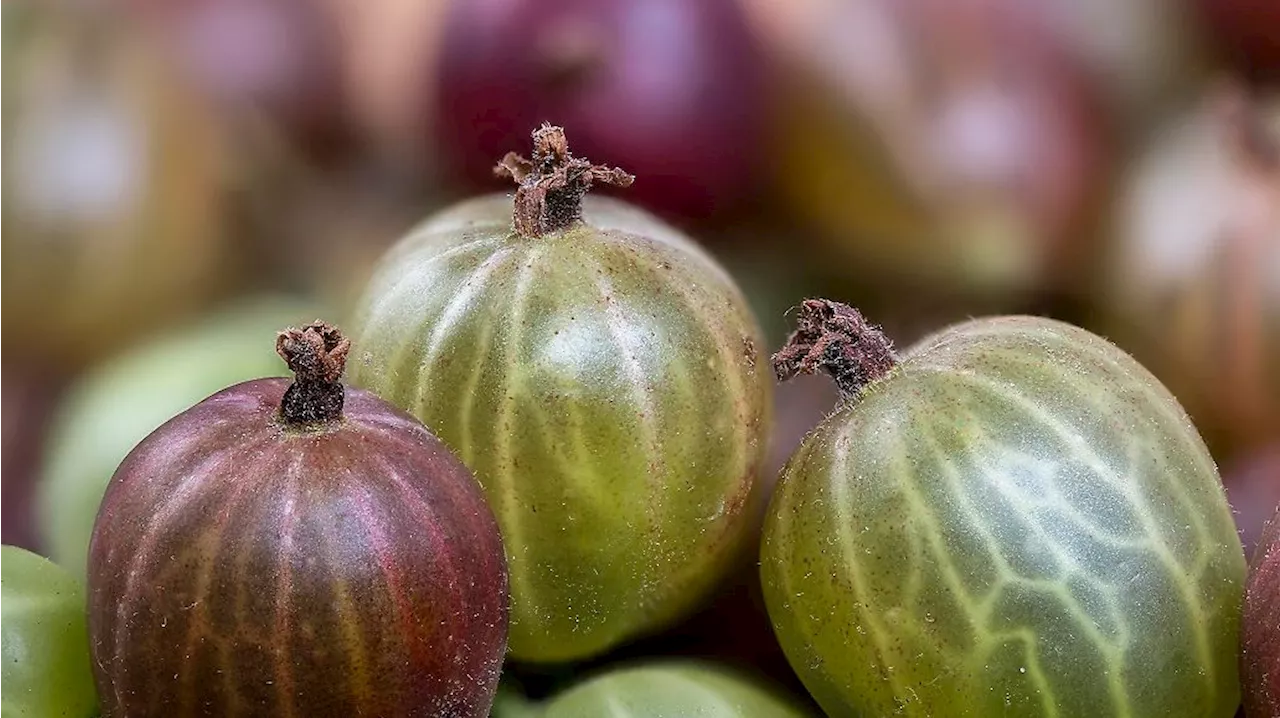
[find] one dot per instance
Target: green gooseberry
(1013, 517)
(599, 374)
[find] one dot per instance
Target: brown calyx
(835, 338)
(553, 183)
(317, 356)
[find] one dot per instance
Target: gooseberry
(659, 688)
(601, 376)
(113, 191)
(1260, 630)
(1012, 516)
(1195, 278)
(296, 548)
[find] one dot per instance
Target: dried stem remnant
(553, 183)
(835, 338)
(317, 355)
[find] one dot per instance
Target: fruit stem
(835, 338)
(317, 355)
(553, 183)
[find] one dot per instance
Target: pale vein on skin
(1100, 466)
(503, 469)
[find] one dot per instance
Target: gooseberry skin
(45, 644)
(1260, 630)
(241, 564)
(1017, 519)
(604, 383)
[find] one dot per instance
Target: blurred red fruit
(669, 90)
(1247, 33)
(29, 399)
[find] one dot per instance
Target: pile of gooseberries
(552, 444)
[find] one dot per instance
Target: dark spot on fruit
(749, 352)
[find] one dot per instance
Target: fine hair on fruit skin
(1011, 517)
(602, 377)
(1260, 634)
(296, 548)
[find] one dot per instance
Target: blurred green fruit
(45, 639)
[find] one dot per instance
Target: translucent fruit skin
(669, 689)
(1018, 520)
(45, 640)
(605, 385)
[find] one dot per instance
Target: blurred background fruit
(112, 188)
(390, 60)
(953, 144)
(1145, 56)
(29, 398)
(1244, 32)
(277, 63)
(669, 90)
(1140, 56)
(45, 642)
(1195, 275)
